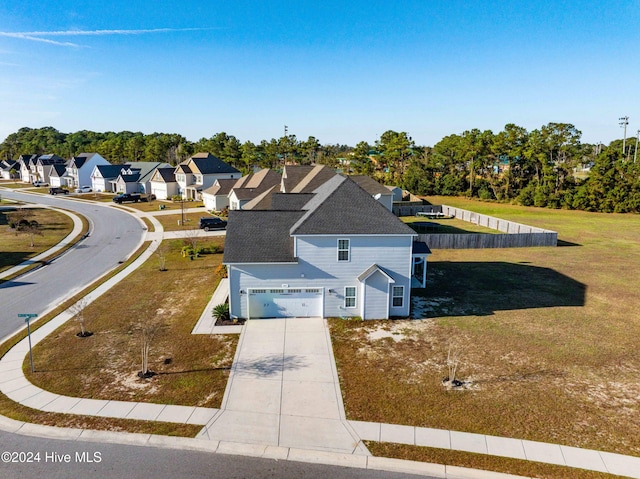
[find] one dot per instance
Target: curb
(250, 450)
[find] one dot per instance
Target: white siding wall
(318, 267)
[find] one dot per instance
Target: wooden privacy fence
(515, 235)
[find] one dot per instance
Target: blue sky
(340, 71)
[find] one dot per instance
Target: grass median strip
(481, 461)
(190, 369)
(19, 412)
(54, 227)
(544, 339)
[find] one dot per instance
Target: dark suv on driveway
(212, 223)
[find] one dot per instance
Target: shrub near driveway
(546, 337)
(191, 369)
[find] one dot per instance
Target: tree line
(547, 167)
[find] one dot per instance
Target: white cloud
(42, 36)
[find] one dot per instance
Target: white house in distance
(216, 198)
(42, 166)
(334, 251)
(103, 176)
(136, 177)
(27, 167)
(9, 169)
(56, 175)
(80, 168)
(199, 173)
(250, 186)
(163, 183)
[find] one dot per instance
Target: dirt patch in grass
(481, 461)
(190, 369)
(54, 226)
(546, 339)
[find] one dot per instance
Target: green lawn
(546, 338)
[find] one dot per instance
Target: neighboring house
(303, 179)
(136, 177)
(333, 251)
(396, 192)
(104, 176)
(80, 168)
(56, 175)
(28, 172)
(200, 172)
(250, 186)
(216, 198)
(163, 183)
(9, 169)
(43, 163)
(375, 189)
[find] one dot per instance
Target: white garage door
(160, 192)
(285, 303)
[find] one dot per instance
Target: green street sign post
(27, 317)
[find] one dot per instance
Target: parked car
(83, 189)
(55, 190)
(212, 223)
(125, 197)
(40, 183)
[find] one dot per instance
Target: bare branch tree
(78, 310)
(148, 332)
(161, 253)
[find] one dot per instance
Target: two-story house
(200, 172)
(251, 186)
(103, 177)
(334, 251)
(43, 164)
(9, 169)
(136, 177)
(27, 167)
(79, 169)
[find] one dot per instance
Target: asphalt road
(131, 462)
(114, 236)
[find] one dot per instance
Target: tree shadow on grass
(480, 289)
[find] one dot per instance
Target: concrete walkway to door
(283, 390)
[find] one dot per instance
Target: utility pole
(624, 121)
(635, 153)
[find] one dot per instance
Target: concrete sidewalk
(284, 390)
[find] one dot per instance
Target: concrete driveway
(284, 391)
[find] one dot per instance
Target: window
(343, 250)
(397, 299)
(350, 296)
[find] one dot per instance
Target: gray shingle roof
(209, 164)
(370, 185)
(167, 174)
(221, 187)
(340, 206)
(110, 171)
(255, 236)
(292, 175)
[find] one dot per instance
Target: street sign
(27, 317)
